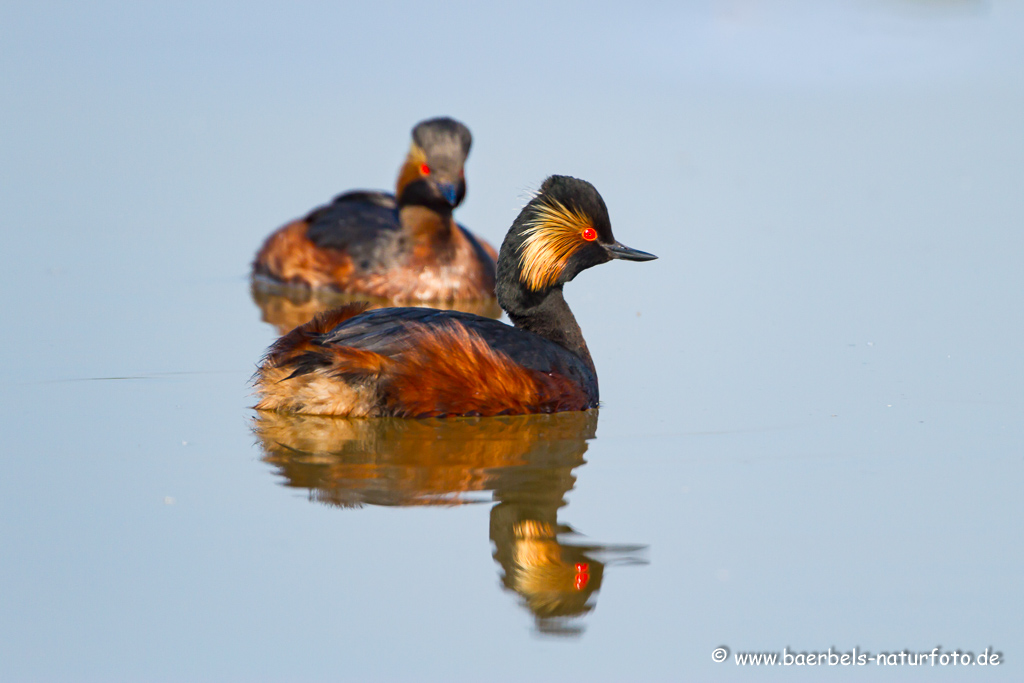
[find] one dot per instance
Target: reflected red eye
(582, 575)
(589, 234)
(424, 169)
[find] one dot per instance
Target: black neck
(548, 315)
(441, 208)
(423, 193)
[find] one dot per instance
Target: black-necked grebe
(404, 247)
(418, 362)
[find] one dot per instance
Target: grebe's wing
(391, 331)
(418, 362)
(353, 221)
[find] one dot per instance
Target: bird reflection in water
(525, 461)
(288, 306)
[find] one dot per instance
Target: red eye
(589, 234)
(424, 169)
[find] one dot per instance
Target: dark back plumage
(391, 331)
(360, 223)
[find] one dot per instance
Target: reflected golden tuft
(526, 463)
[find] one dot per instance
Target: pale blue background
(813, 401)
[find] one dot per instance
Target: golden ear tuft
(413, 168)
(552, 235)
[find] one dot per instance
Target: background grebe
(404, 247)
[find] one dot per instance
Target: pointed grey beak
(621, 251)
(449, 193)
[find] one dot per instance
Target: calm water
(811, 430)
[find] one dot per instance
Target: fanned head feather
(561, 232)
(411, 169)
(551, 236)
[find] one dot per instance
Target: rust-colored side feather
(443, 266)
(300, 339)
(289, 256)
(491, 251)
(450, 370)
(445, 370)
(295, 376)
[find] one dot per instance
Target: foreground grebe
(420, 362)
(404, 247)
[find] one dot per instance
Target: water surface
(810, 433)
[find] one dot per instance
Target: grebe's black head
(432, 174)
(564, 230)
